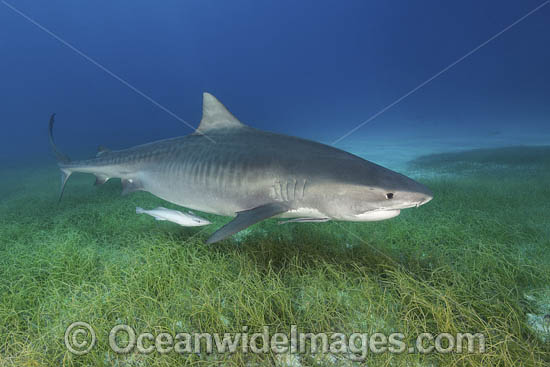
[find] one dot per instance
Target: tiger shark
(228, 168)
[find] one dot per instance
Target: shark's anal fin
(305, 220)
(131, 185)
(247, 218)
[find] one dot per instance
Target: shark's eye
(389, 195)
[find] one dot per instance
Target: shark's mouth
(375, 215)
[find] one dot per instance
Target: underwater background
(453, 94)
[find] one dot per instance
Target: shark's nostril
(389, 195)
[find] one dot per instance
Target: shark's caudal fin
(62, 159)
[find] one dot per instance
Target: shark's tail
(62, 159)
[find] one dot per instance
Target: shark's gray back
(230, 170)
(241, 169)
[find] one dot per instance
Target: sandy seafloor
(396, 152)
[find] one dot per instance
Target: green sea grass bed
(476, 259)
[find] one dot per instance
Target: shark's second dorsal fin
(102, 150)
(216, 116)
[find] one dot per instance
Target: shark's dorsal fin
(216, 116)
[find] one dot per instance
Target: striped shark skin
(228, 168)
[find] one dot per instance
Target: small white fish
(188, 219)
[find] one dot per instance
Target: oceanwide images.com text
(80, 338)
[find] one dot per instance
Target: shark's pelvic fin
(247, 218)
(131, 185)
(100, 179)
(216, 116)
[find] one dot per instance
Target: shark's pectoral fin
(247, 218)
(130, 185)
(304, 220)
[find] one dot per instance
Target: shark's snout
(421, 196)
(424, 200)
(426, 196)
(411, 195)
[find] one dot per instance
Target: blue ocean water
(315, 69)
(414, 86)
